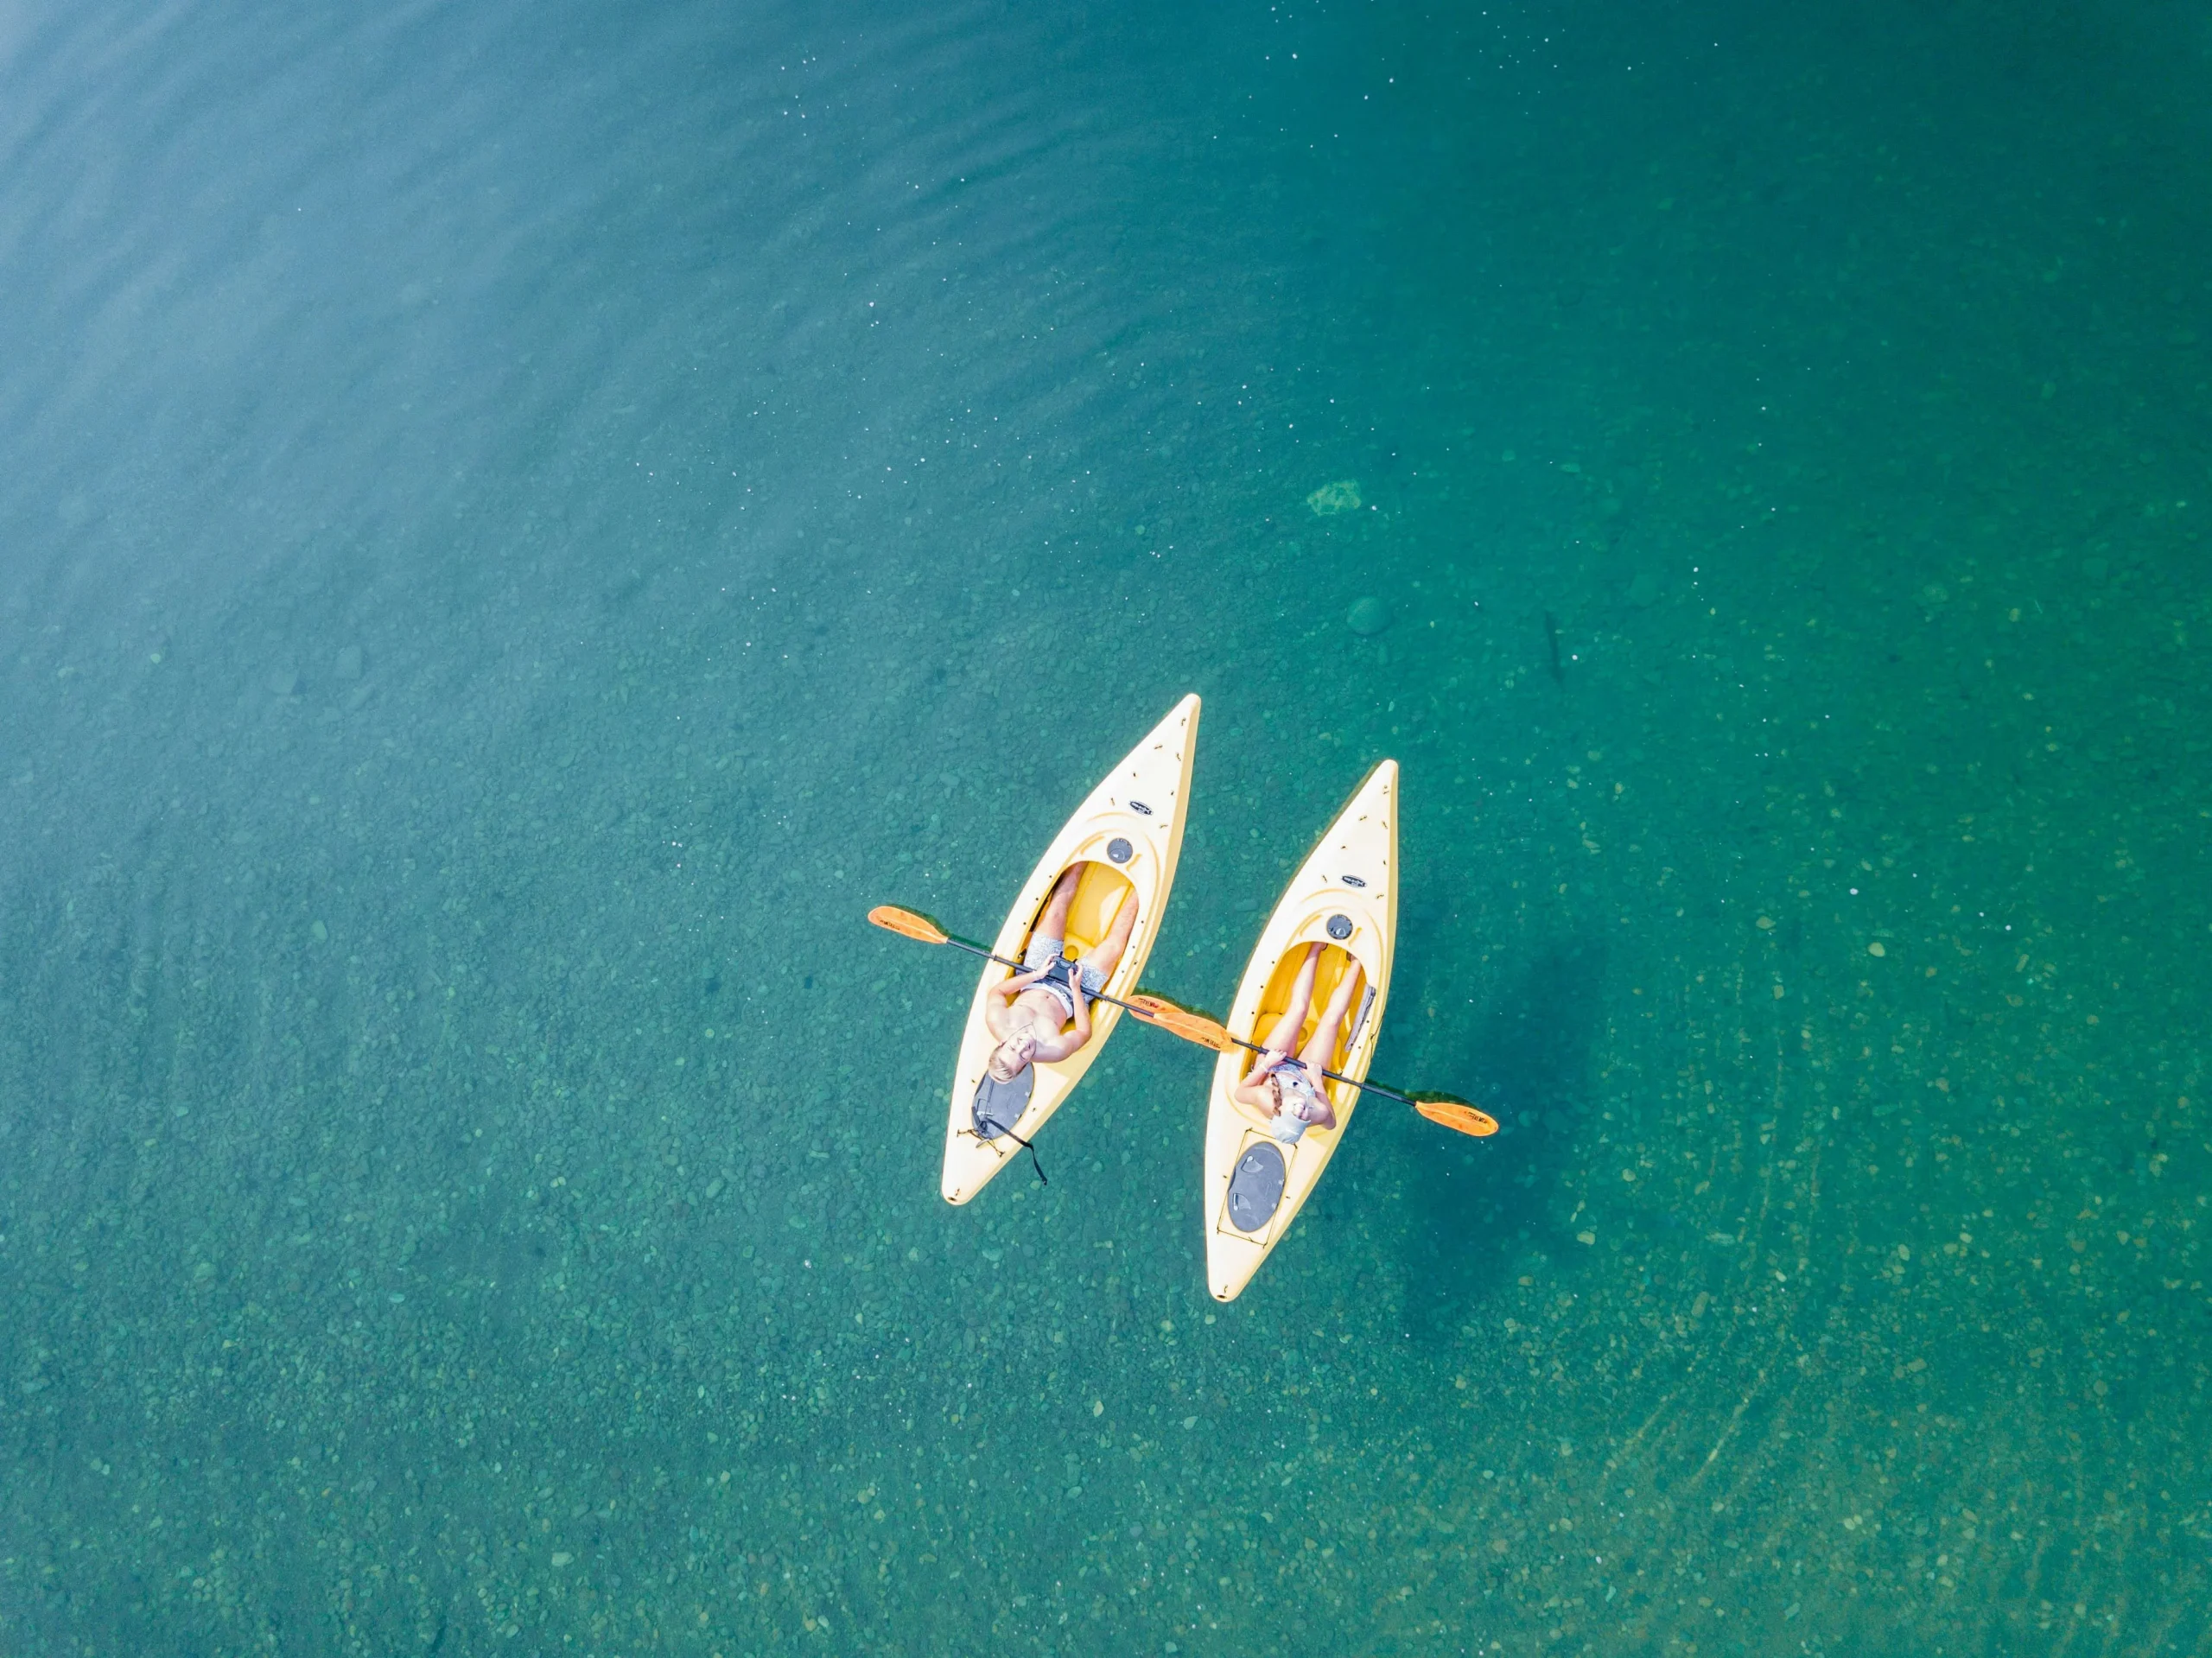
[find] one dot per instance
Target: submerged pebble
(1369, 616)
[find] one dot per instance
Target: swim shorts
(1047, 952)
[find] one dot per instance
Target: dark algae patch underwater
(521, 525)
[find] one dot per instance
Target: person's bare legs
(1053, 923)
(1106, 954)
(1323, 1047)
(1284, 1037)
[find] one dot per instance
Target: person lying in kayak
(1027, 1011)
(1283, 1091)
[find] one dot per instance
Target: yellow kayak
(1127, 836)
(1344, 897)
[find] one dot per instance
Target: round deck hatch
(1255, 1188)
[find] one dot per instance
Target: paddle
(910, 923)
(1446, 1109)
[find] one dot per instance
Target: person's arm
(1056, 1047)
(1253, 1091)
(1006, 989)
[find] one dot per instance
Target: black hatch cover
(1255, 1188)
(998, 1105)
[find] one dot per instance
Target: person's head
(1012, 1057)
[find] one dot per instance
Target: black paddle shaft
(1338, 1076)
(1333, 1075)
(1020, 968)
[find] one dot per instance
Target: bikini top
(1293, 1085)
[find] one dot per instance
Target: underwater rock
(1342, 496)
(1369, 616)
(1643, 592)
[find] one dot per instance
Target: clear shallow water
(521, 525)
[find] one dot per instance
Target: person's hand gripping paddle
(911, 923)
(1446, 1110)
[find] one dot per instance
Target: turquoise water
(520, 523)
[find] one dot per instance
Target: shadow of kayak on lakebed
(1453, 1216)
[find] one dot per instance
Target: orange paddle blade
(907, 924)
(1463, 1118)
(1192, 1027)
